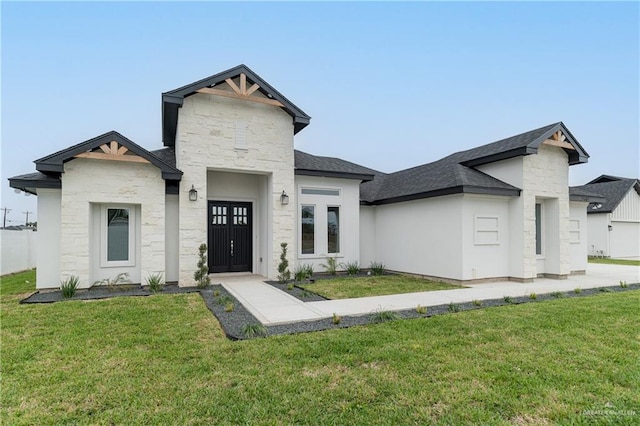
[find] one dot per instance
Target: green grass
(348, 287)
(164, 360)
(614, 261)
(21, 282)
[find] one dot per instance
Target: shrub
(309, 270)
(254, 330)
(111, 284)
(336, 319)
(202, 273)
(331, 266)
(577, 290)
(302, 272)
(290, 286)
(223, 300)
(155, 282)
(306, 294)
(477, 302)
(623, 284)
(533, 296)
(383, 316)
(507, 299)
(557, 294)
(228, 307)
(604, 290)
(69, 286)
(453, 307)
(422, 310)
(377, 268)
(284, 274)
(216, 293)
(353, 268)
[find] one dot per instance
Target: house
(614, 220)
(229, 176)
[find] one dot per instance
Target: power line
(4, 216)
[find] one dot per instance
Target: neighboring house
(614, 220)
(229, 176)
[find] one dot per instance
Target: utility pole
(4, 217)
(26, 222)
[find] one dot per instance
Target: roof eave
(505, 155)
(330, 174)
(460, 189)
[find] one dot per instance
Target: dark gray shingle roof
(31, 181)
(612, 189)
(313, 165)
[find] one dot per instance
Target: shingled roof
(612, 189)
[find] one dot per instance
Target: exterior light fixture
(193, 194)
(284, 198)
(610, 228)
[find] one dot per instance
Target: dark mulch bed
(233, 323)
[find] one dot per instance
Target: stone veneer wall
(87, 181)
(206, 140)
(546, 175)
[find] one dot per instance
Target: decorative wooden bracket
(240, 92)
(112, 151)
(559, 139)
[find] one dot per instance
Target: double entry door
(230, 236)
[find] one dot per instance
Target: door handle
(231, 247)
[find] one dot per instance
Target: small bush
(533, 296)
(290, 286)
(300, 273)
(216, 293)
(69, 286)
(604, 290)
(557, 294)
(577, 290)
(422, 310)
(202, 273)
(331, 266)
(306, 294)
(309, 270)
(254, 330)
(507, 299)
(111, 284)
(284, 274)
(155, 282)
(336, 319)
(623, 284)
(352, 268)
(383, 316)
(377, 268)
(453, 307)
(223, 300)
(477, 302)
(228, 307)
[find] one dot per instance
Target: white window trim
(478, 230)
(542, 254)
(315, 231)
(339, 252)
(575, 231)
(104, 263)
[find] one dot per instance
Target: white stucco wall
(88, 182)
(629, 208)
(485, 237)
(48, 260)
(172, 231)
(625, 240)
(367, 235)
(422, 236)
(18, 250)
(578, 235)
(207, 140)
(598, 234)
(349, 202)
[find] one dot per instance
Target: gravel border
(233, 323)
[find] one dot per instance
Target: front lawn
(348, 287)
(609, 261)
(163, 360)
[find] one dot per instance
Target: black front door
(229, 236)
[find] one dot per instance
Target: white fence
(18, 250)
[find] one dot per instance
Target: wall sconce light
(284, 198)
(610, 228)
(193, 194)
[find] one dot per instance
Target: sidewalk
(272, 306)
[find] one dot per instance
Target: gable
(111, 146)
(243, 83)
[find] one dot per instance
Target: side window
(308, 229)
(333, 230)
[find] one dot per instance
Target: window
(308, 229)
(538, 228)
(315, 191)
(118, 230)
(487, 230)
(333, 229)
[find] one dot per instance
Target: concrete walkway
(272, 306)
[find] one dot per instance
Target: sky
(388, 85)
